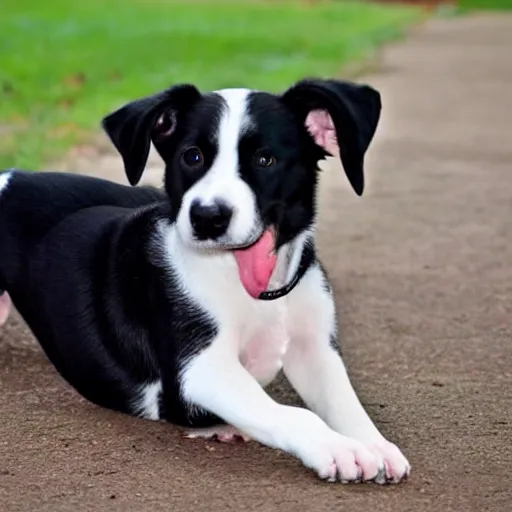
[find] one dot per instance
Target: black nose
(209, 221)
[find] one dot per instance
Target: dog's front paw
(338, 458)
(396, 466)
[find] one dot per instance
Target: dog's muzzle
(209, 222)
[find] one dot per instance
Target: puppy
(184, 305)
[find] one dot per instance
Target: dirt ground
(422, 268)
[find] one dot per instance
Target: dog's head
(241, 165)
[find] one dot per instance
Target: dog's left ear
(132, 127)
(341, 117)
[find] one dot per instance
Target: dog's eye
(165, 124)
(264, 160)
(193, 158)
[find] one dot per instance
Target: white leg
(315, 369)
(216, 381)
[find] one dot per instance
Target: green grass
(64, 64)
(485, 4)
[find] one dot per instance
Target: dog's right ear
(132, 127)
(341, 117)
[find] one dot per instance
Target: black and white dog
(183, 305)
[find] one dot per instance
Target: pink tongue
(256, 264)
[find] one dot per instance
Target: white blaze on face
(222, 182)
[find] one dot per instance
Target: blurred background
(66, 63)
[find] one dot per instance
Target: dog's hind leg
(5, 307)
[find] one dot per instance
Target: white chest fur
(257, 331)
(262, 353)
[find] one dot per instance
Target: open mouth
(257, 262)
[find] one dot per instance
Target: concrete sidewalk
(422, 268)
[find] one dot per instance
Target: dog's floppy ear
(341, 117)
(132, 127)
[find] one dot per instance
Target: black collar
(308, 255)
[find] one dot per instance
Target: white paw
(221, 433)
(397, 467)
(338, 458)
